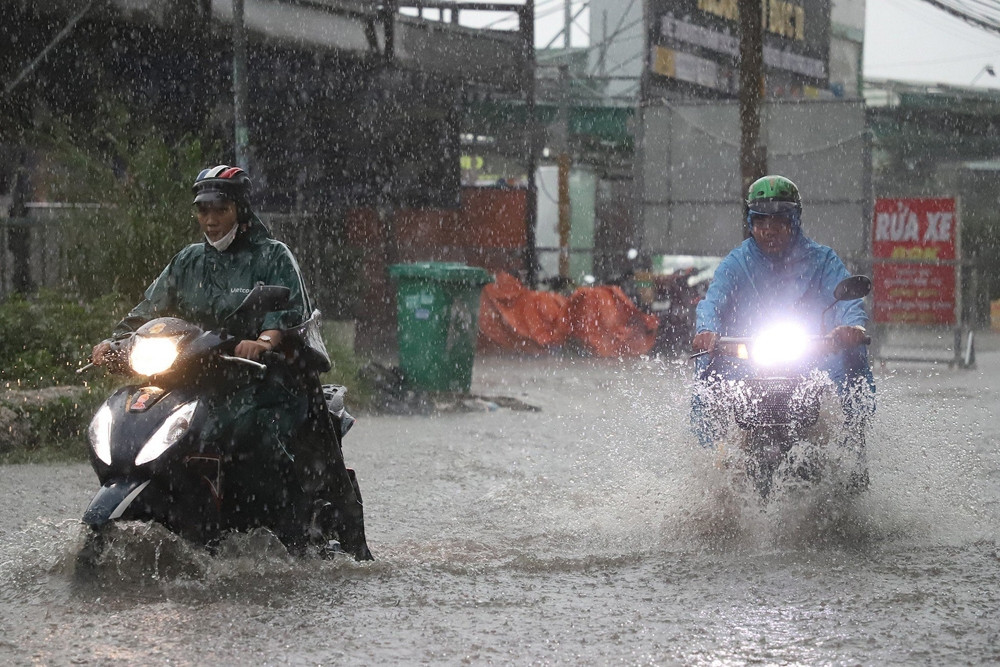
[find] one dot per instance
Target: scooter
(674, 297)
(776, 402)
(147, 449)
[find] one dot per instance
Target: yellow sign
(915, 252)
(666, 62)
(777, 16)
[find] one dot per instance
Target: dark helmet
(222, 182)
(773, 195)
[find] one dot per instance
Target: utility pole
(602, 58)
(527, 32)
(240, 87)
(567, 23)
(388, 12)
(753, 155)
(564, 161)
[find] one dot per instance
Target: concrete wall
(691, 198)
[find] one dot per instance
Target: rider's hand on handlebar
(849, 336)
(100, 354)
(705, 341)
(252, 349)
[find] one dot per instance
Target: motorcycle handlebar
(266, 359)
(734, 340)
(241, 360)
(270, 358)
(737, 340)
(726, 344)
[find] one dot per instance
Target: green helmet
(774, 195)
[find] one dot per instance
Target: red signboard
(915, 248)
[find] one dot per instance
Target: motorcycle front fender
(112, 500)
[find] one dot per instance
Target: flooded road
(593, 531)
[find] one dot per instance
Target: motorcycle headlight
(150, 356)
(781, 344)
(170, 431)
(99, 433)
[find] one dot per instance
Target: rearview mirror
(855, 287)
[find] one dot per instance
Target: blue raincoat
(751, 291)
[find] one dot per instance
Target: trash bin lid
(455, 272)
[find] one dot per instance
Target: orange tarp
(512, 317)
(602, 319)
(608, 324)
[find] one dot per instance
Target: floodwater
(593, 531)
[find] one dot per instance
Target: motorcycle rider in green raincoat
(284, 414)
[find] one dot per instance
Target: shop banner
(915, 251)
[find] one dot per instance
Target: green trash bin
(437, 307)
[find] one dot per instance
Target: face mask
(225, 241)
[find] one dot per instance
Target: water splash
(659, 481)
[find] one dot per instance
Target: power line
(977, 9)
(961, 10)
(584, 28)
(607, 39)
(627, 61)
(557, 6)
(931, 18)
(67, 29)
(611, 38)
(942, 61)
(562, 32)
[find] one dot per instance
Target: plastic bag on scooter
(312, 348)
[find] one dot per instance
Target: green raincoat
(284, 414)
(203, 286)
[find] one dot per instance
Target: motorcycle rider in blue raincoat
(780, 271)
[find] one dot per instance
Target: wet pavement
(591, 531)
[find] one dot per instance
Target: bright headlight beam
(150, 356)
(100, 433)
(170, 431)
(781, 344)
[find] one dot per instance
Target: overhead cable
(963, 9)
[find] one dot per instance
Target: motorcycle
(148, 450)
(777, 401)
(673, 300)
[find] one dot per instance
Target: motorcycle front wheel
(764, 449)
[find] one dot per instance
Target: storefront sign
(915, 250)
(694, 44)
